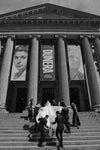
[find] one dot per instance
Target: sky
(89, 6)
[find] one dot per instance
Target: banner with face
(19, 66)
(75, 63)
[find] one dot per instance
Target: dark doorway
(21, 100)
(47, 94)
(74, 97)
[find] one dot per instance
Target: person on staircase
(54, 102)
(65, 113)
(60, 127)
(30, 109)
(75, 119)
(36, 110)
(42, 126)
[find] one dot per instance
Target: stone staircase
(17, 133)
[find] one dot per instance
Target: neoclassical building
(49, 52)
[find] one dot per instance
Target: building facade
(49, 52)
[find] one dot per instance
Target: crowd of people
(53, 118)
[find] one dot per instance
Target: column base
(96, 108)
(3, 109)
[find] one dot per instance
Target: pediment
(47, 11)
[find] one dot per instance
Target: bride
(49, 110)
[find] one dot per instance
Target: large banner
(19, 66)
(75, 63)
(47, 63)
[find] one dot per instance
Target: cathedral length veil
(50, 111)
(47, 110)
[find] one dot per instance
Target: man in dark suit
(65, 114)
(60, 127)
(75, 120)
(42, 124)
(36, 110)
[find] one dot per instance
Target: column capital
(60, 35)
(7, 36)
(86, 36)
(11, 36)
(96, 37)
(34, 36)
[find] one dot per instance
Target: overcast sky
(90, 6)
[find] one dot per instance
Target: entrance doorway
(47, 94)
(74, 97)
(21, 100)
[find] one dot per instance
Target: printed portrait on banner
(19, 66)
(75, 63)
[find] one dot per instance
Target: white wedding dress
(49, 110)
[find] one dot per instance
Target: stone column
(0, 55)
(5, 70)
(97, 52)
(33, 71)
(62, 71)
(0, 46)
(91, 73)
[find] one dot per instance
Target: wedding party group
(54, 119)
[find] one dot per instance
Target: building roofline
(46, 5)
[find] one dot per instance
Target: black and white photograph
(49, 75)
(19, 67)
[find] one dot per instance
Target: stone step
(4, 124)
(22, 120)
(6, 134)
(80, 142)
(96, 131)
(26, 122)
(50, 143)
(36, 137)
(15, 130)
(66, 147)
(81, 128)
(25, 134)
(12, 134)
(26, 116)
(21, 130)
(28, 127)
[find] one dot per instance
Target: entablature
(55, 22)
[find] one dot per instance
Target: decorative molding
(54, 22)
(64, 36)
(79, 33)
(88, 36)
